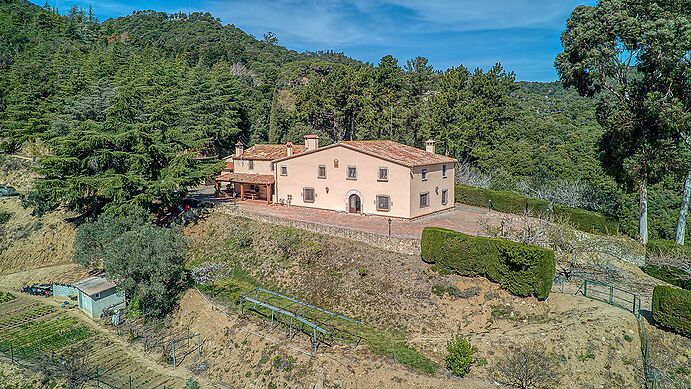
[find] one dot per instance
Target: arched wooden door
(354, 204)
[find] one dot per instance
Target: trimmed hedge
(588, 221)
(672, 308)
(521, 269)
(510, 202)
(661, 247)
(663, 268)
(501, 201)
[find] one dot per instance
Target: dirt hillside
(595, 345)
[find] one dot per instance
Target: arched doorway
(354, 204)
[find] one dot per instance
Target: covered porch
(245, 186)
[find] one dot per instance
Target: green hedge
(521, 269)
(663, 269)
(588, 221)
(662, 247)
(672, 308)
(510, 202)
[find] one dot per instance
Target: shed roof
(94, 284)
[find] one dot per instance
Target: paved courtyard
(464, 219)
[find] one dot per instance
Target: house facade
(379, 177)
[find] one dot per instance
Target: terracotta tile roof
(265, 152)
(257, 179)
(230, 166)
(397, 152)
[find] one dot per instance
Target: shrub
(510, 202)
(672, 308)
(521, 269)
(588, 221)
(502, 201)
(669, 262)
(666, 248)
(527, 366)
(5, 217)
(460, 355)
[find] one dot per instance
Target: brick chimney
(289, 148)
(239, 149)
(311, 142)
(429, 146)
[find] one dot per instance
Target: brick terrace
(463, 218)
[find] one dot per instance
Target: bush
(510, 202)
(501, 201)
(460, 355)
(666, 248)
(672, 308)
(588, 221)
(527, 366)
(521, 269)
(669, 262)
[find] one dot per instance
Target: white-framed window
(424, 199)
(383, 174)
(321, 171)
(351, 172)
(424, 174)
(383, 203)
(284, 170)
(444, 196)
(308, 195)
(251, 164)
(335, 164)
(443, 171)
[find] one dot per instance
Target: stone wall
(393, 244)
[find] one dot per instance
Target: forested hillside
(136, 109)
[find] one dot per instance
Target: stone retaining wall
(394, 244)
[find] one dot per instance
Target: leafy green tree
(144, 260)
(94, 237)
(147, 263)
(611, 50)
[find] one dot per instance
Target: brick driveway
(463, 218)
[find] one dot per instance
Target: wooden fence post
(174, 361)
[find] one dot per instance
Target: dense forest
(134, 110)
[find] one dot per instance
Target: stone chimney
(289, 148)
(239, 149)
(429, 146)
(311, 142)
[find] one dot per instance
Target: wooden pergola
(243, 179)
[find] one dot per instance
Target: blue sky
(521, 34)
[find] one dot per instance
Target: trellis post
(199, 345)
(174, 361)
(11, 353)
(611, 295)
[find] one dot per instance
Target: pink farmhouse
(376, 177)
